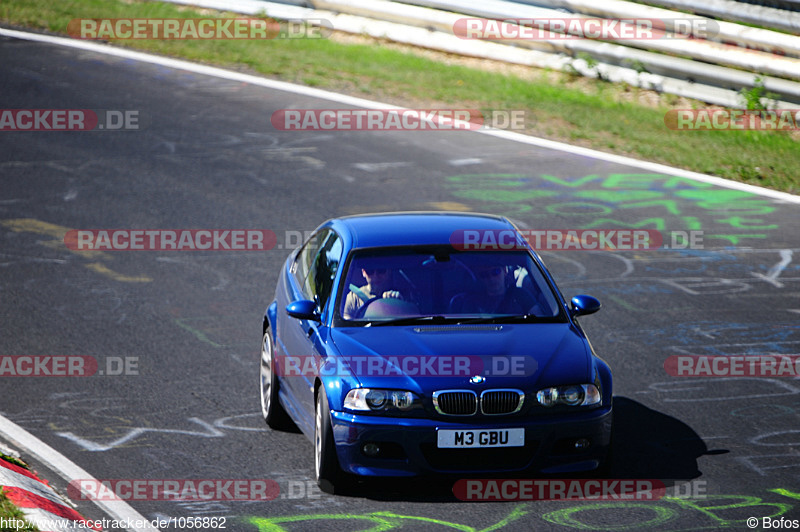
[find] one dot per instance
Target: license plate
(472, 439)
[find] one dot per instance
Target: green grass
(595, 114)
(9, 511)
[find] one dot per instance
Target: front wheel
(327, 472)
(271, 408)
(606, 467)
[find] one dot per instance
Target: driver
(378, 285)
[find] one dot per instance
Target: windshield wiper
(507, 318)
(455, 320)
(411, 320)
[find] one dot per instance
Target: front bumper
(409, 445)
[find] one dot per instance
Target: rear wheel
(327, 472)
(271, 408)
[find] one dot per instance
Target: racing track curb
(39, 502)
(36, 498)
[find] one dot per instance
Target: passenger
(496, 294)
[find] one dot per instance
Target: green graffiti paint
(568, 516)
(578, 208)
(656, 223)
(592, 200)
(745, 223)
(786, 493)
(717, 512)
(615, 196)
(503, 195)
(572, 183)
(382, 521)
(274, 524)
(646, 181)
(181, 322)
(497, 180)
(721, 511)
(624, 304)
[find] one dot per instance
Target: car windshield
(440, 284)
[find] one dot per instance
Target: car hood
(427, 358)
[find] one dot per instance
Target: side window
(319, 281)
(305, 258)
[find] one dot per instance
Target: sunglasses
(491, 272)
(377, 271)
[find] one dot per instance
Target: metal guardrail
(730, 10)
(433, 28)
(442, 15)
(791, 5)
(788, 7)
(728, 32)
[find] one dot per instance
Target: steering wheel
(363, 308)
(390, 307)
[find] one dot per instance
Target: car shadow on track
(652, 445)
(647, 445)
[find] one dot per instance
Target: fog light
(371, 449)
(581, 444)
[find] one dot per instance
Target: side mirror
(584, 305)
(303, 309)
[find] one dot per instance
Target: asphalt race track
(206, 157)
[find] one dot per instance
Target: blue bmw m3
(406, 344)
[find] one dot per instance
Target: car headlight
(573, 395)
(377, 400)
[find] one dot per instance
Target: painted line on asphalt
(68, 470)
(369, 104)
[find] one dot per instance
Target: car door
(317, 264)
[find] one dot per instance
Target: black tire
(606, 467)
(327, 472)
(271, 408)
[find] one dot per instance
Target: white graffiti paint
(209, 430)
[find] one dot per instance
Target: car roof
(412, 228)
